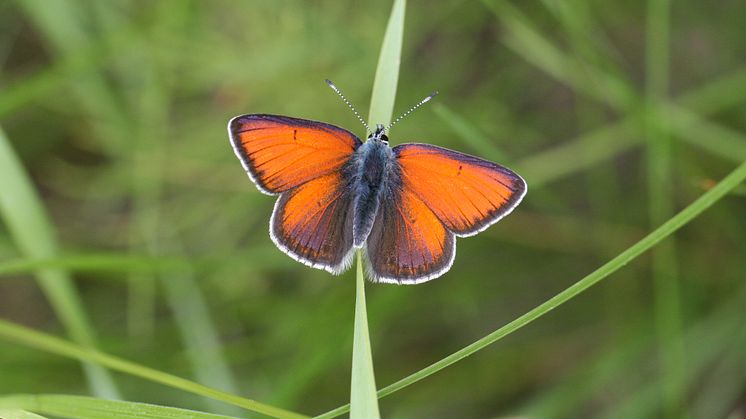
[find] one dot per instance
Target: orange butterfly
(404, 205)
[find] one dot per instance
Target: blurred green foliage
(618, 114)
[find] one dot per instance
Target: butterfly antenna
(329, 82)
(422, 102)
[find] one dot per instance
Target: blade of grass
(18, 414)
(363, 398)
(24, 215)
(96, 262)
(114, 262)
(733, 179)
(387, 70)
(16, 333)
(90, 408)
(660, 207)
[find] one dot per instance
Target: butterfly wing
(408, 244)
(280, 153)
(437, 194)
(313, 223)
(466, 193)
(302, 161)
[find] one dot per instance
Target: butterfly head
(379, 135)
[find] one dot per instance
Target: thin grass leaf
(77, 407)
(98, 262)
(659, 159)
(387, 70)
(363, 399)
(114, 262)
(44, 342)
(18, 414)
(23, 213)
(737, 176)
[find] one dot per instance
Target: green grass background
(139, 234)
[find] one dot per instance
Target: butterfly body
(375, 179)
(404, 205)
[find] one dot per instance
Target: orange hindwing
(408, 244)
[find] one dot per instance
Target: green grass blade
(659, 157)
(78, 407)
(25, 336)
(96, 262)
(23, 213)
(737, 176)
(387, 70)
(127, 262)
(363, 398)
(18, 414)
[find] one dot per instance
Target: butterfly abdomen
(374, 168)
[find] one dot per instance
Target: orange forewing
(280, 153)
(313, 223)
(408, 244)
(466, 193)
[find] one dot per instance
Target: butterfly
(404, 205)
